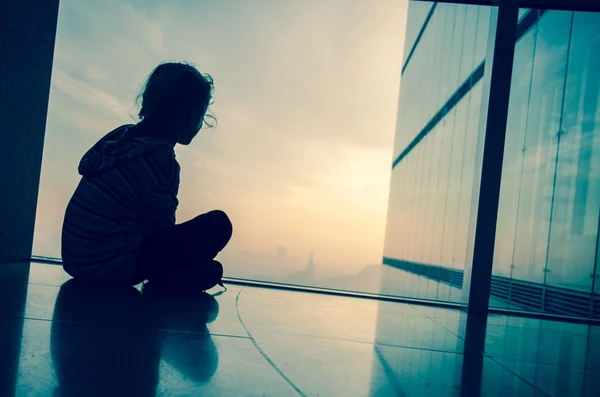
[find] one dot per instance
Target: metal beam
(568, 5)
(490, 154)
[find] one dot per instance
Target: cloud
(85, 93)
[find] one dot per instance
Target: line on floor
(261, 351)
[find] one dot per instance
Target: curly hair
(175, 89)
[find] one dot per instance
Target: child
(119, 226)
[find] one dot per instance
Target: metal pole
(494, 112)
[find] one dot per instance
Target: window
(305, 96)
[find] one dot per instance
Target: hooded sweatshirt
(128, 188)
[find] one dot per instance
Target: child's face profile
(187, 135)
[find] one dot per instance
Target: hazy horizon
(305, 96)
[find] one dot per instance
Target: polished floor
(58, 338)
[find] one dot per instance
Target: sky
(306, 95)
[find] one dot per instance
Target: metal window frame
(567, 5)
(492, 135)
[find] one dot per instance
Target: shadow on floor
(110, 340)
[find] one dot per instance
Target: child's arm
(159, 202)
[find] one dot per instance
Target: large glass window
(547, 235)
(305, 97)
(431, 187)
(539, 146)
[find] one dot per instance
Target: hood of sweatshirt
(117, 147)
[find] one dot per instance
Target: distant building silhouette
(281, 256)
(310, 269)
(307, 276)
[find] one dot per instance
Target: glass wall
(300, 156)
(547, 235)
(435, 149)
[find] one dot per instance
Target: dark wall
(27, 34)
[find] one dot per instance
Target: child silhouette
(119, 226)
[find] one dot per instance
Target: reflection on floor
(58, 338)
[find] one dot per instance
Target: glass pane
(468, 43)
(574, 228)
(449, 57)
(417, 11)
(432, 191)
(539, 148)
(483, 25)
(441, 166)
(513, 156)
(467, 177)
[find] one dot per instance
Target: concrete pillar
(27, 35)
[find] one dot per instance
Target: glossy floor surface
(59, 338)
